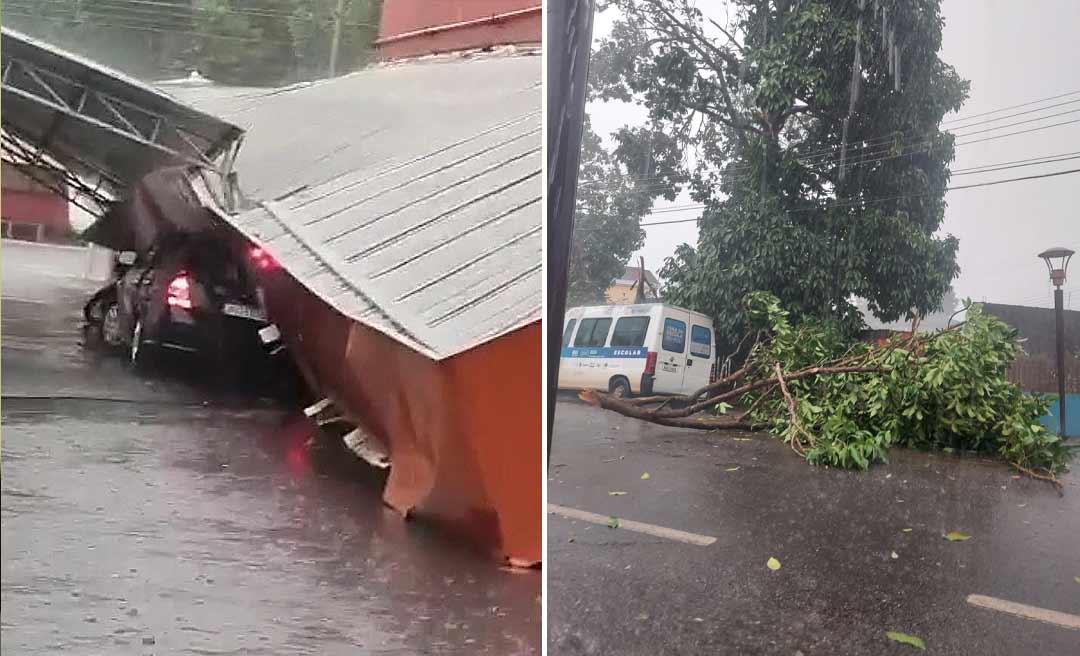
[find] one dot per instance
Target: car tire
(140, 353)
(619, 387)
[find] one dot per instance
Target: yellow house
(623, 290)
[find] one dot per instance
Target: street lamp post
(1057, 260)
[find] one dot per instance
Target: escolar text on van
(642, 349)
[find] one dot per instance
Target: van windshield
(630, 331)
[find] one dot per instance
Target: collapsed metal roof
(408, 196)
(98, 123)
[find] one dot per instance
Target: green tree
(242, 42)
(762, 101)
(147, 40)
(615, 190)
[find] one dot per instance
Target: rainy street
(859, 554)
(159, 514)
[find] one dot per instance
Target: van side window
(592, 332)
(674, 336)
(630, 331)
(568, 332)
(700, 341)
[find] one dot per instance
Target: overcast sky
(1012, 52)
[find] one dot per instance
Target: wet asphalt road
(614, 591)
(153, 515)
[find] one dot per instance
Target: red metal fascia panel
(442, 422)
(410, 28)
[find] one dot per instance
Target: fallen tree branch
(608, 402)
(757, 384)
(1048, 477)
(796, 443)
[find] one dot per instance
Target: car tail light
(179, 293)
(262, 260)
(650, 363)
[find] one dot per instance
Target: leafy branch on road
(845, 404)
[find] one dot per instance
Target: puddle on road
(229, 532)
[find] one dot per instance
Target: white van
(643, 349)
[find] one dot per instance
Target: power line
(1005, 109)
(167, 31)
(1002, 118)
(186, 10)
(872, 147)
(861, 201)
(872, 157)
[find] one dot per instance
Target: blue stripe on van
(604, 352)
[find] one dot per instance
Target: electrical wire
(870, 148)
(182, 10)
(166, 31)
(826, 206)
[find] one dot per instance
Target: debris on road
(956, 536)
(906, 639)
(773, 564)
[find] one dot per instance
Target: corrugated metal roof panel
(427, 223)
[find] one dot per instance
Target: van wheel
(619, 387)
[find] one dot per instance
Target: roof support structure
(76, 100)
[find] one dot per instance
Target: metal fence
(1038, 374)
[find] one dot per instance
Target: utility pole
(335, 41)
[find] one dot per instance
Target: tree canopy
(614, 193)
(242, 42)
(822, 173)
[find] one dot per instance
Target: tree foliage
(846, 404)
(611, 200)
(759, 98)
(242, 42)
(947, 390)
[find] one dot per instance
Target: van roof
(585, 308)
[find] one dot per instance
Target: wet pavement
(153, 515)
(839, 588)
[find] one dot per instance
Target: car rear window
(630, 331)
(592, 332)
(674, 336)
(700, 341)
(568, 332)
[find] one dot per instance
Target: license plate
(243, 312)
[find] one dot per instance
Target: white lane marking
(631, 525)
(1025, 611)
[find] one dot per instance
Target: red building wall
(410, 28)
(25, 205)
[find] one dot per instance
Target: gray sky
(1012, 52)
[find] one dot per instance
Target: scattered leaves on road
(906, 530)
(1077, 579)
(732, 469)
(773, 564)
(616, 493)
(645, 476)
(956, 536)
(613, 522)
(906, 639)
(894, 555)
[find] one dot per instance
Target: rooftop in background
(407, 195)
(631, 274)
